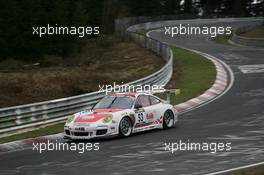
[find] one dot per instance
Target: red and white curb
(223, 82)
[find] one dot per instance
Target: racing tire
(125, 127)
(168, 119)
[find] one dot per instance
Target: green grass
(142, 31)
(193, 74)
(258, 170)
(256, 32)
(145, 31)
(222, 39)
(52, 129)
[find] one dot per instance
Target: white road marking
(234, 169)
(255, 68)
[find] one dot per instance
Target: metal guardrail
(18, 117)
(121, 24)
(141, 23)
(247, 41)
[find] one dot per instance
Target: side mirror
(137, 106)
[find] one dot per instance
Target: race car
(121, 114)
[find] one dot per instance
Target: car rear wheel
(125, 127)
(168, 119)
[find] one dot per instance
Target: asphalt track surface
(236, 117)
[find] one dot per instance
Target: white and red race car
(121, 114)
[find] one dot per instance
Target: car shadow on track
(116, 138)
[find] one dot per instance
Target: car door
(156, 108)
(144, 114)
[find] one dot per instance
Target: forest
(17, 18)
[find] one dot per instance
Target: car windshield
(115, 102)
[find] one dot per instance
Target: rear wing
(168, 93)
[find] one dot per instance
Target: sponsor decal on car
(150, 116)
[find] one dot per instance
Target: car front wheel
(125, 127)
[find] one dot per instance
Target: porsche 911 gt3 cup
(121, 114)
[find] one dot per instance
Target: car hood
(94, 116)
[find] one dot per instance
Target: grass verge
(222, 39)
(256, 32)
(258, 170)
(51, 129)
(142, 31)
(192, 73)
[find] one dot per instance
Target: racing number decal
(144, 118)
(141, 118)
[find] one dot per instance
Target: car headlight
(69, 118)
(107, 118)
